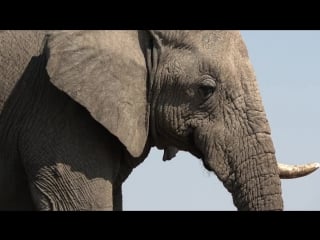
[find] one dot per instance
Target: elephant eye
(207, 88)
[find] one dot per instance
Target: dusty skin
(80, 109)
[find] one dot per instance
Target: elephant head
(177, 90)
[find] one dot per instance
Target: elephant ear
(104, 71)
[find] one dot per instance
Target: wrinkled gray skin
(81, 109)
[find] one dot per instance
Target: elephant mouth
(197, 153)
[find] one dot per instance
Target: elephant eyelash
(207, 88)
(206, 91)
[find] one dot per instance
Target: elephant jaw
(296, 171)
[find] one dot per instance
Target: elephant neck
(152, 65)
(153, 55)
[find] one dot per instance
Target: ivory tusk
(295, 171)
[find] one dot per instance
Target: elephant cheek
(213, 152)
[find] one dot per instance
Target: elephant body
(79, 110)
(41, 127)
(17, 49)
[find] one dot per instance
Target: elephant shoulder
(16, 50)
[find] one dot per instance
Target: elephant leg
(58, 187)
(72, 167)
(126, 166)
(70, 159)
(15, 194)
(14, 191)
(117, 198)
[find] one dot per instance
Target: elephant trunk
(256, 183)
(251, 174)
(248, 169)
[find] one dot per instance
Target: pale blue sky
(287, 66)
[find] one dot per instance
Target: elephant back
(16, 50)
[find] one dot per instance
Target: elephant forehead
(220, 52)
(220, 43)
(225, 52)
(177, 62)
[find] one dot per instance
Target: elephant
(80, 109)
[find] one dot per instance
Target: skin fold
(81, 109)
